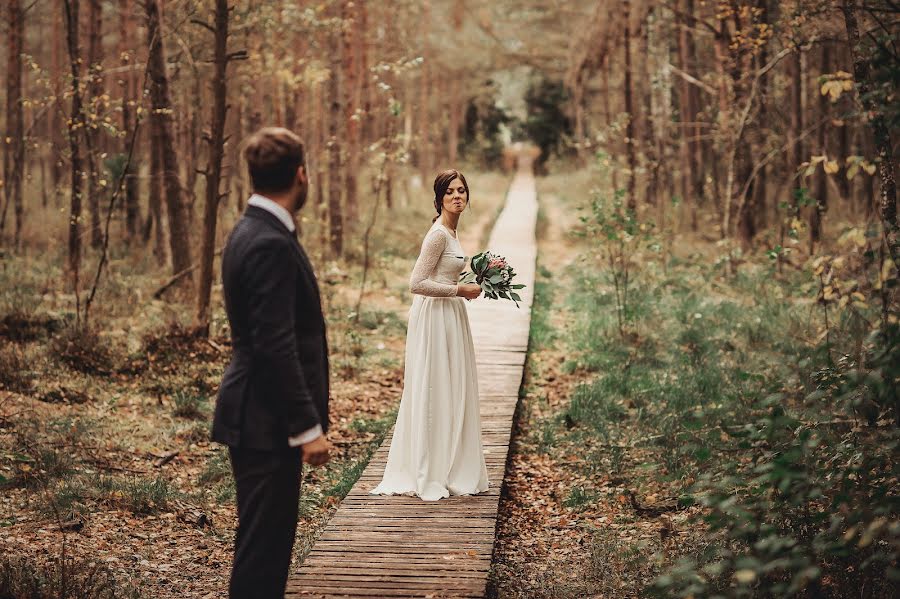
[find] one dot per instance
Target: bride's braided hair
(441, 183)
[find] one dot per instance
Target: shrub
(189, 406)
(81, 348)
(14, 375)
(817, 506)
(21, 578)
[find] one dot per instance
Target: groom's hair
(273, 155)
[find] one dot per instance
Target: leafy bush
(618, 237)
(546, 123)
(481, 139)
(815, 509)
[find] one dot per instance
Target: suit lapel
(274, 222)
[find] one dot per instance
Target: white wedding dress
(436, 449)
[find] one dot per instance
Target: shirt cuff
(306, 436)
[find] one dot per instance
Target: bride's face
(455, 198)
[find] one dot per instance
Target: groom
(272, 407)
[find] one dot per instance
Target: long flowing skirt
(436, 450)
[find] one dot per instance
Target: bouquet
(494, 275)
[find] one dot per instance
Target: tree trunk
(76, 122)
(192, 138)
(645, 128)
(14, 158)
(335, 216)
(92, 131)
(750, 213)
(725, 145)
(322, 132)
(365, 87)
(798, 149)
(154, 209)
(127, 81)
(349, 51)
(629, 110)
(686, 118)
(879, 126)
(213, 171)
(161, 121)
(607, 109)
(240, 177)
(424, 153)
(455, 117)
(57, 144)
(821, 184)
(695, 143)
(757, 209)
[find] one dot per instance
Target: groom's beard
(300, 198)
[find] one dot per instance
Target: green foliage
(579, 497)
(345, 478)
(115, 166)
(542, 333)
(595, 405)
(188, 405)
(618, 238)
(375, 320)
(496, 281)
(217, 475)
(547, 124)
(481, 139)
(817, 502)
(141, 495)
(375, 426)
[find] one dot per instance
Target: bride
(436, 450)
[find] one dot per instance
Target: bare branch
(203, 24)
(691, 79)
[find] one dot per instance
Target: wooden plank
(401, 546)
(362, 593)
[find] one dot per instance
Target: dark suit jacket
(276, 385)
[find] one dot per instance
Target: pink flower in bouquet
(497, 263)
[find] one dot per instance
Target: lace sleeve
(420, 283)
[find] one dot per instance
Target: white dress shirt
(284, 216)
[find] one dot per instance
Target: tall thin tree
(129, 120)
(629, 108)
(214, 165)
(95, 103)
(335, 163)
(161, 122)
(350, 32)
(14, 157)
(75, 125)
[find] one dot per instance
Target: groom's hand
(316, 451)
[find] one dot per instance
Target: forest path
(398, 546)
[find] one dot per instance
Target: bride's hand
(469, 290)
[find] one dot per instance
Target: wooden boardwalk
(398, 546)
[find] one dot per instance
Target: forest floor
(612, 431)
(104, 451)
